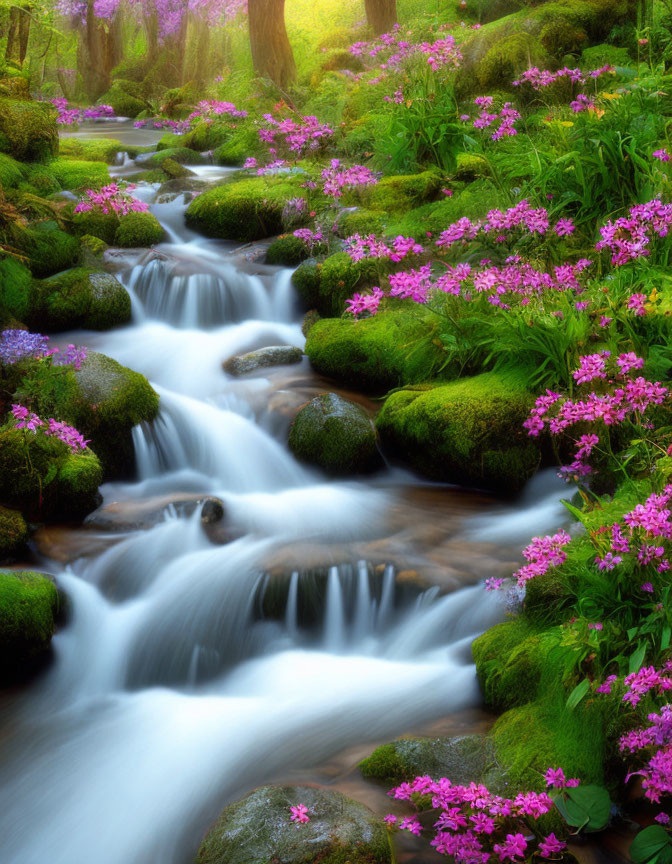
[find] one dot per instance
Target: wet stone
(276, 355)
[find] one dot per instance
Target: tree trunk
(12, 48)
(271, 52)
(24, 34)
(96, 78)
(381, 15)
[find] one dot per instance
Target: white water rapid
(193, 665)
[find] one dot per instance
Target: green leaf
(585, 807)
(577, 694)
(665, 638)
(651, 845)
(576, 513)
(637, 658)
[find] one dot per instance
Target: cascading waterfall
(187, 670)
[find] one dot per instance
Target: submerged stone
(259, 830)
(274, 355)
(336, 435)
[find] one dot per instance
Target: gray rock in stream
(259, 830)
(275, 355)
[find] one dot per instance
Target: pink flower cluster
(542, 554)
(299, 814)
(309, 237)
(361, 303)
(506, 118)
(178, 127)
(26, 419)
(72, 116)
(110, 200)
(498, 225)
(539, 78)
(297, 136)
(476, 826)
(359, 247)
(629, 237)
(337, 178)
(208, 109)
(390, 52)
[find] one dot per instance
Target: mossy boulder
(82, 297)
(258, 829)
(123, 103)
(76, 175)
(463, 759)
(361, 221)
(28, 605)
(468, 431)
(246, 210)
(287, 251)
(138, 229)
(28, 130)
(470, 166)
(174, 170)
(336, 435)
(48, 249)
(95, 149)
(43, 478)
(15, 287)
(238, 146)
(181, 155)
(401, 192)
(95, 223)
(13, 533)
(11, 171)
(42, 180)
(375, 354)
(326, 286)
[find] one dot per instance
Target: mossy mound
(123, 103)
(76, 175)
(468, 431)
(402, 192)
(464, 759)
(138, 229)
(95, 223)
(181, 155)
(28, 130)
(287, 251)
(49, 250)
(11, 171)
(238, 146)
(247, 210)
(42, 477)
(361, 221)
(13, 533)
(258, 829)
(95, 149)
(336, 435)
(327, 285)
(204, 136)
(28, 604)
(42, 180)
(374, 354)
(471, 166)
(83, 297)
(15, 286)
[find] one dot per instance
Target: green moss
(601, 55)
(95, 149)
(13, 533)
(336, 435)
(28, 604)
(138, 229)
(242, 143)
(49, 250)
(170, 140)
(375, 354)
(15, 285)
(204, 136)
(11, 171)
(386, 765)
(471, 166)
(181, 155)
(95, 223)
(28, 130)
(41, 476)
(361, 221)
(42, 180)
(75, 175)
(247, 210)
(402, 192)
(468, 431)
(83, 297)
(328, 285)
(287, 251)
(123, 103)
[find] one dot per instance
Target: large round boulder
(83, 297)
(336, 435)
(28, 603)
(28, 130)
(259, 830)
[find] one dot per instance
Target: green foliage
(11, 171)
(586, 807)
(652, 845)
(124, 104)
(181, 155)
(15, 285)
(79, 176)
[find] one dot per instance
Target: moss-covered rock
(95, 149)
(41, 180)
(123, 103)
(238, 146)
(402, 192)
(287, 251)
(42, 477)
(327, 285)
(257, 829)
(75, 175)
(15, 286)
(95, 223)
(181, 155)
(470, 166)
(11, 171)
(464, 759)
(361, 221)
(48, 249)
(28, 604)
(138, 229)
(28, 130)
(376, 354)
(336, 435)
(13, 533)
(174, 170)
(246, 210)
(83, 297)
(468, 431)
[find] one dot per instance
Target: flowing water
(197, 660)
